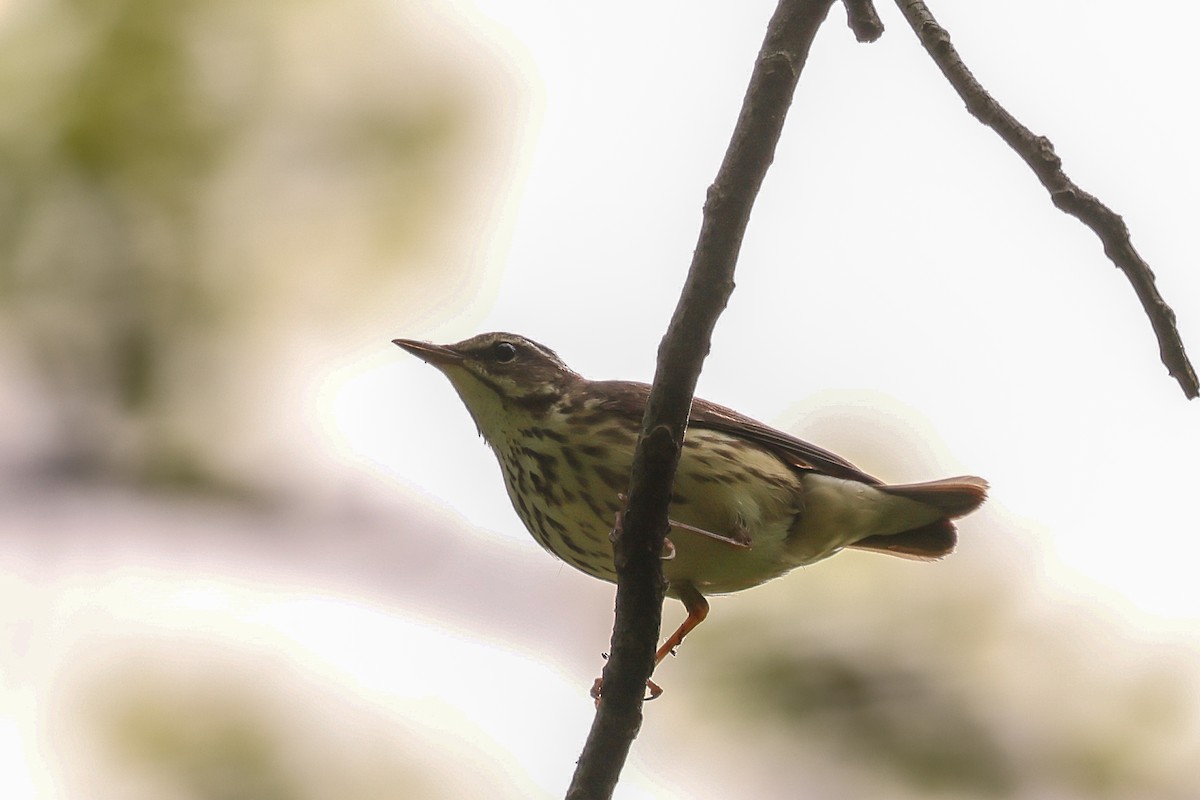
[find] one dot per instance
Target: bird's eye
(504, 352)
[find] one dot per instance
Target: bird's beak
(435, 354)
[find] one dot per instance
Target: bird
(749, 503)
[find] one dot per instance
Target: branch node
(776, 62)
(713, 198)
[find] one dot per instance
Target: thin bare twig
(1038, 153)
(863, 20)
(638, 545)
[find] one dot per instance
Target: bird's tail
(953, 497)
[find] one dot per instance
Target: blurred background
(248, 549)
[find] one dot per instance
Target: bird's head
(499, 376)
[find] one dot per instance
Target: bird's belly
(715, 567)
(742, 495)
(569, 502)
(568, 522)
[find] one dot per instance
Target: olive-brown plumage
(749, 502)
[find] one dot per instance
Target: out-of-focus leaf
(186, 181)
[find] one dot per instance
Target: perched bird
(749, 502)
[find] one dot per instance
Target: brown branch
(638, 546)
(1038, 153)
(863, 20)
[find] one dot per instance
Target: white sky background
(906, 296)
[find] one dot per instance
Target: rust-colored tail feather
(929, 542)
(952, 496)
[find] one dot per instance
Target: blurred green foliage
(218, 749)
(232, 735)
(181, 178)
(899, 719)
(963, 686)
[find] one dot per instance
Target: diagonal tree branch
(1038, 153)
(638, 543)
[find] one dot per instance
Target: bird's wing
(795, 452)
(629, 398)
